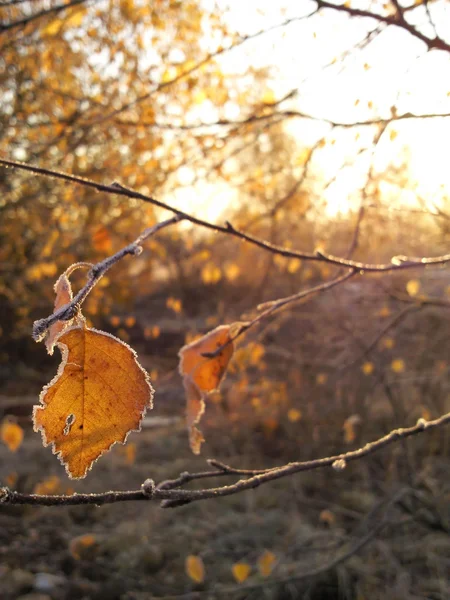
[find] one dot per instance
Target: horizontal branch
(171, 495)
(397, 262)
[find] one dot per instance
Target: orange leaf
(63, 296)
(327, 517)
(195, 568)
(413, 287)
(205, 372)
(294, 415)
(83, 546)
(101, 240)
(11, 434)
(266, 562)
(98, 396)
(367, 368)
(241, 571)
(202, 375)
(349, 428)
(49, 486)
(398, 365)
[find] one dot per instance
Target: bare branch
(172, 496)
(397, 262)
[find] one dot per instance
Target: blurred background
(311, 125)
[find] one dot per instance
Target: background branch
(397, 262)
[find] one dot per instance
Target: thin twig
(68, 311)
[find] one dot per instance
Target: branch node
(138, 250)
(39, 330)
(4, 495)
(421, 423)
(218, 465)
(339, 465)
(148, 488)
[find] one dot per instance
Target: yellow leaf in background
(211, 274)
(11, 434)
(413, 287)
(256, 402)
(327, 517)
(130, 321)
(98, 396)
(294, 415)
(115, 321)
(130, 453)
(321, 378)
(11, 479)
(367, 368)
(76, 18)
(393, 134)
(388, 343)
(101, 240)
(83, 546)
(294, 265)
(123, 334)
(195, 568)
(232, 271)
(349, 428)
(241, 571)
(425, 413)
(53, 27)
(268, 97)
(384, 312)
(199, 97)
(398, 365)
(266, 562)
(174, 304)
(49, 486)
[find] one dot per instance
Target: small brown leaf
(202, 374)
(64, 295)
(207, 372)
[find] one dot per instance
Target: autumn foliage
(236, 259)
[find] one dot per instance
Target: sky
(394, 70)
